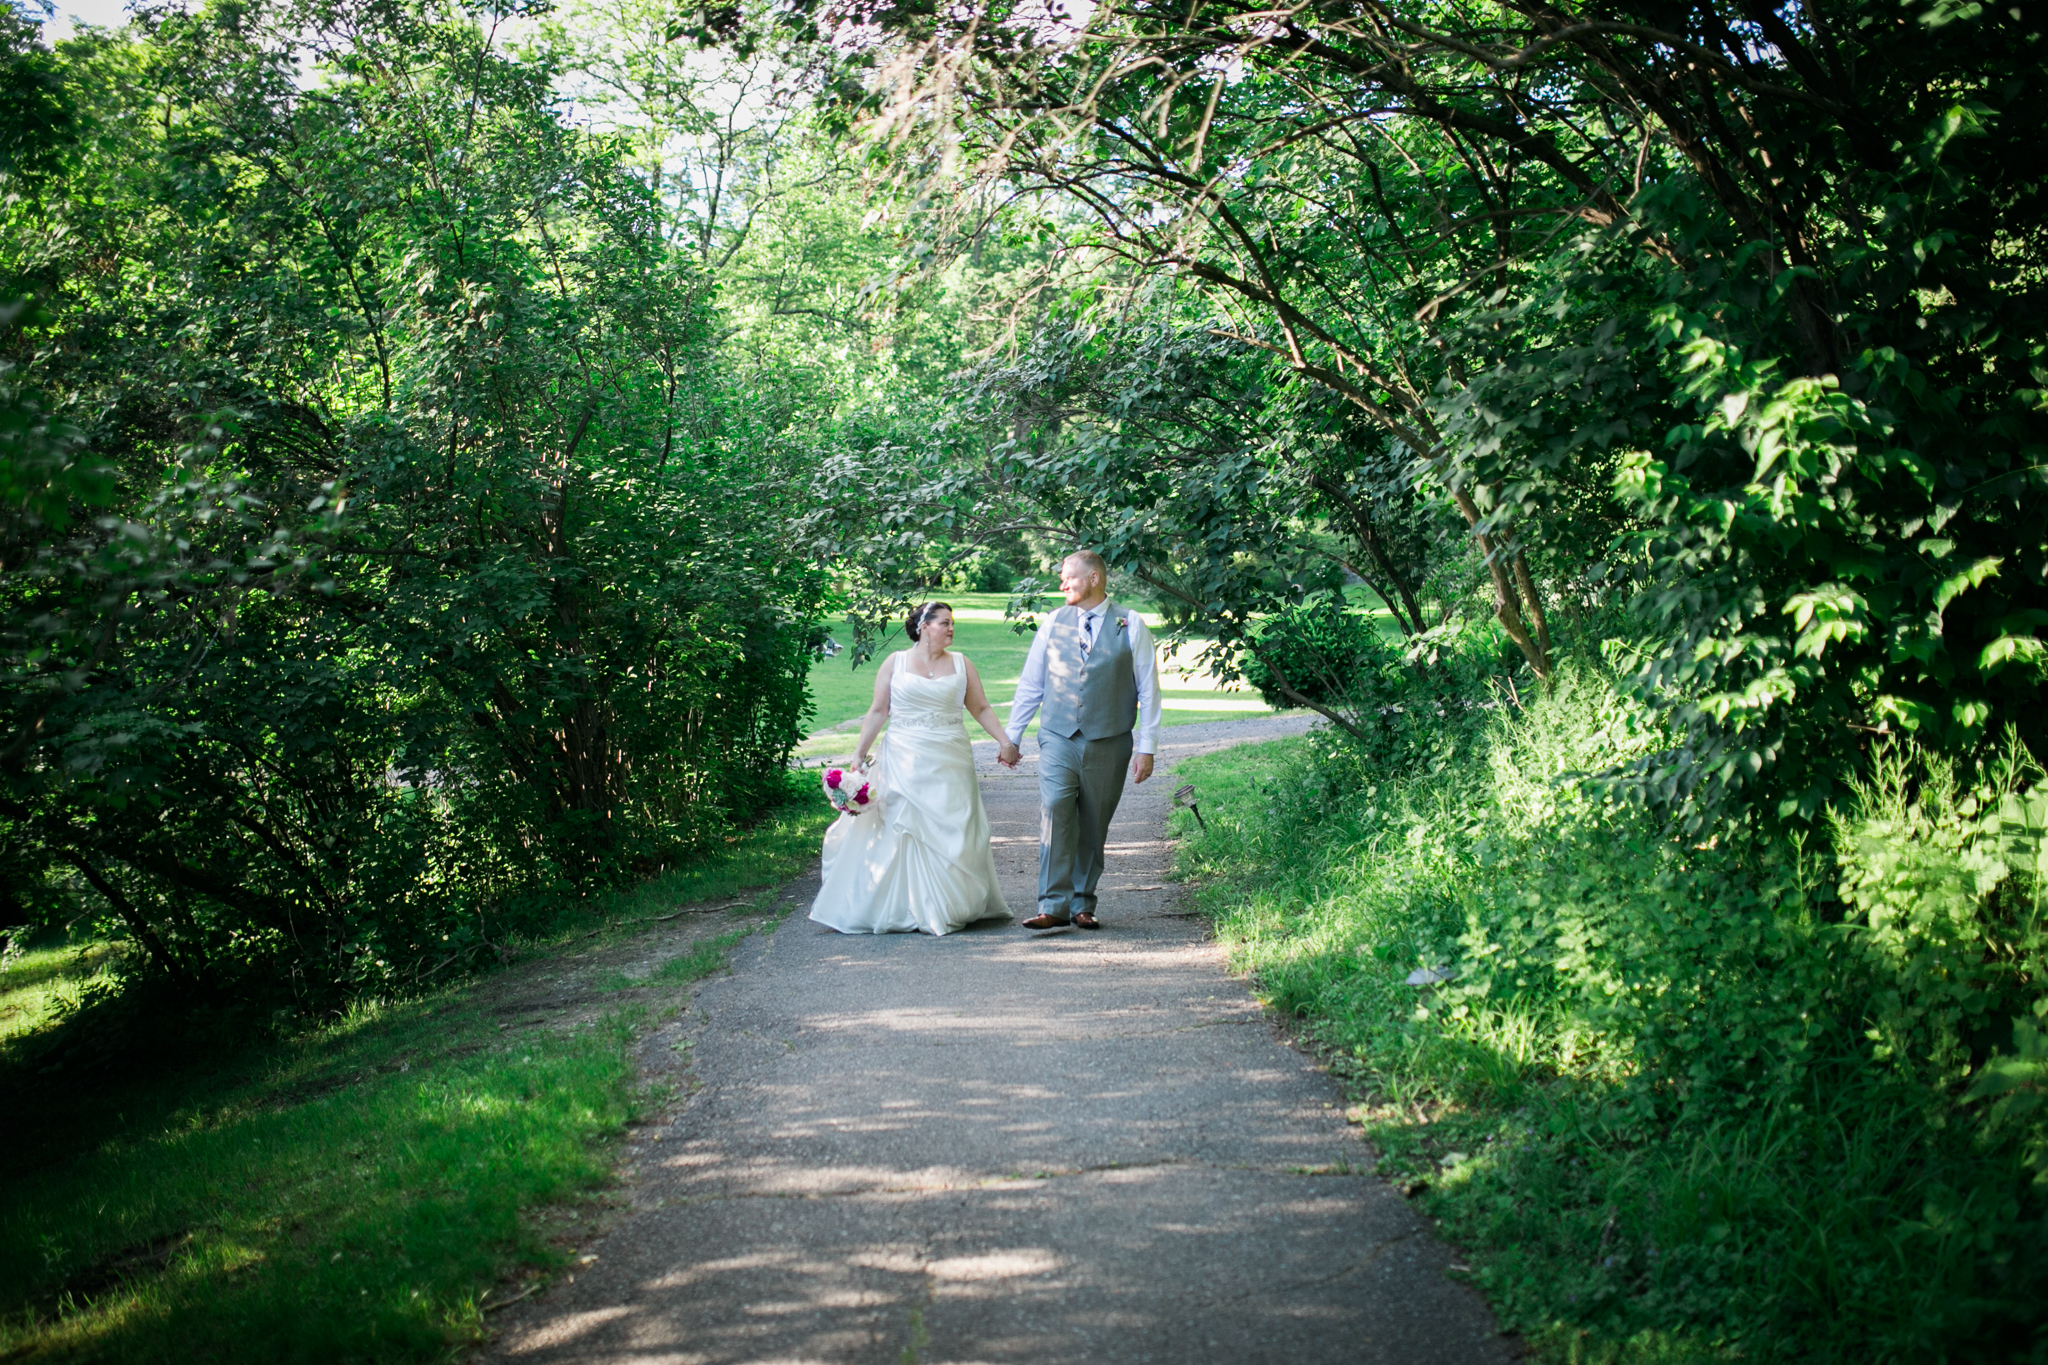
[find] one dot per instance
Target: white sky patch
(71, 14)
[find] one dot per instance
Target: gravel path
(1000, 1147)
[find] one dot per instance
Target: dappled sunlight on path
(1006, 1147)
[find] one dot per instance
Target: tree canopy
(384, 541)
(436, 438)
(442, 430)
(1728, 315)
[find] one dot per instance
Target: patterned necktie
(1087, 633)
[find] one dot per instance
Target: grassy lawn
(366, 1190)
(842, 693)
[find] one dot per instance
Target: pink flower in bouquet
(835, 791)
(861, 797)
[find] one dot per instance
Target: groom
(1092, 671)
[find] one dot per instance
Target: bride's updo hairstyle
(914, 623)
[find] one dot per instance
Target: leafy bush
(1402, 704)
(1764, 1096)
(381, 559)
(1323, 652)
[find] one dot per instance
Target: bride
(918, 856)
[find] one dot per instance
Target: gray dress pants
(1079, 783)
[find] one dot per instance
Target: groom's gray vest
(1093, 696)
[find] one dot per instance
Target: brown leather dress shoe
(1044, 922)
(1084, 920)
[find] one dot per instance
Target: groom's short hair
(1088, 559)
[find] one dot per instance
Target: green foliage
(1322, 650)
(384, 555)
(1728, 314)
(36, 121)
(1403, 707)
(1755, 1097)
(1816, 550)
(353, 1198)
(1944, 885)
(1203, 478)
(2015, 1082)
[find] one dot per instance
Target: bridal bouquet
(843, 801)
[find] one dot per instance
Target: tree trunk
(1506, 608)
(1532, 599)
(145, 933)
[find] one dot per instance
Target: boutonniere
(1122, 621)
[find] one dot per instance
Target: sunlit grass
(353, 1194)
(1845, 1221)
(38, 984)
(359, 1190)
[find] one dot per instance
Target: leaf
(1907, 713)
(2025, 1069)
(1828, 614)
(1958, 583)
(2008, 649)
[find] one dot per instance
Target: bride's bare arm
(878, 711)
(978, 706)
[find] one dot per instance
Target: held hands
(1141, 767)
(1009, 755)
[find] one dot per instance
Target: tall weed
(1758, 1097)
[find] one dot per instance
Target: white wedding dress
(918, 858)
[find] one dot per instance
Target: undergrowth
(1768, 1097)
(43, 983)
(352, 1195)
(358, 1189)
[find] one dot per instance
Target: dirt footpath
(1005, 1147)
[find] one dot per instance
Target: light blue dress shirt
(1144, 666)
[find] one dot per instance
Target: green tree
(424, 585)
(1729, 311)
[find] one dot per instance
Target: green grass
(352, 1195)
(39, 984)
(1808, 1204)
(842, 693)
(705, 959)
(360, 1191)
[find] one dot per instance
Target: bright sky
(71, 13)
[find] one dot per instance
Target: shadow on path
(1001, 1147)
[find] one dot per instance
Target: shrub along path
(1001, 1147)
